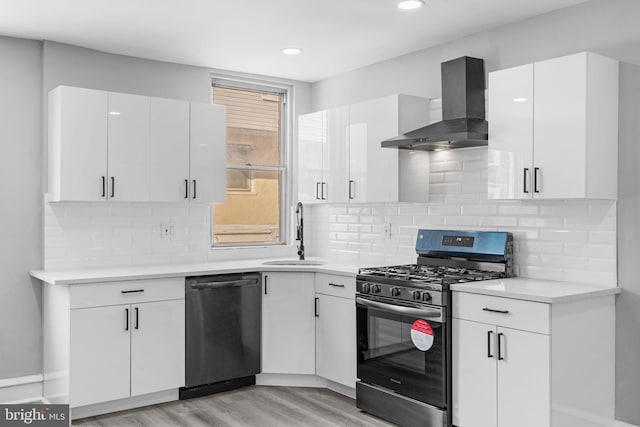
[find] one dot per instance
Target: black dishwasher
(222, 332)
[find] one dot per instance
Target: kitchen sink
(294, 262)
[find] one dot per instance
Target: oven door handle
(418, 312)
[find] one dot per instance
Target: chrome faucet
(300, 229)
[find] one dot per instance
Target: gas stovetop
(445, 257)
(438, 275)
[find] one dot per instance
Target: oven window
(387, 356)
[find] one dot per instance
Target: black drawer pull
(493, 310)
(337, 285)
(132, 291)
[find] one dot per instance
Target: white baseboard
(290, 380)
(21, 389)
(623, 424)
(124, 404)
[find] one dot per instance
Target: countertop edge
(589, 292)
(75, 277)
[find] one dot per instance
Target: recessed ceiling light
(410, 4)
(291, 51)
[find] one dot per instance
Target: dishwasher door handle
(225, 284)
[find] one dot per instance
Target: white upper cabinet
(168, 150)
(77, 144)
(373, 170)
(208, 152)
(312, 139)
(322, 156)
(128, 147)
(131, 148)
(340, 158)
(553, 129)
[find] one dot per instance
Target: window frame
(286, 132)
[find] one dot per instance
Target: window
(252, 213)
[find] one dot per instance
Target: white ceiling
(246, 35)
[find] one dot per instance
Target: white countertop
(536, 290)
(77, 276)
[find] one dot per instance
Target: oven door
(388, 355)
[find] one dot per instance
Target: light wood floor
(249, 406)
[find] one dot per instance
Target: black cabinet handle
(137, 319)
(489, 341)
(337, 285)
(265, 285)
(186, 188)
(132, 291)
(324, 194)
(493, 310)
(104, 186)
(194, 189)
(352, 193)
(535, 180)
(316, 307)
(113, 186)
(500, 335)
(524, 180)
(317, 191)
(126, 325)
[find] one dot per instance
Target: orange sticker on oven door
(422, 335)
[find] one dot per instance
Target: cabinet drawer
(126, 292)
(507, 312)
(340, 286)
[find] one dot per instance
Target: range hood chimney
(463, 119)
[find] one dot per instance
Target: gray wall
(21, 204)
(628, 304)
(609, 27)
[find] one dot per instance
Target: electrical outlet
(387, 230)
(167, 230)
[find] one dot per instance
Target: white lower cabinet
(100, 348)
(336, 329)
(288, 324)
(509, 388)
(532, 364)
(133, 347)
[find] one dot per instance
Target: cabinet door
(474, 375)
(208, 153)
(77, 144)
(523, 379)
(560, 91)
(373, 169)
(99, 357)
(336, 339)
(511, 101)
(288, 323)
(128, 153)
(168, 150)
(157, 346)
(312, 139)
(335, 167)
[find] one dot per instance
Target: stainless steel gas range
(404, 323)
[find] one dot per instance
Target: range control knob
(395, 292)
(375, 289)
(416, 295)
(426, 297)
(366, 288)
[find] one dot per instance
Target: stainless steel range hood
(463, 118)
